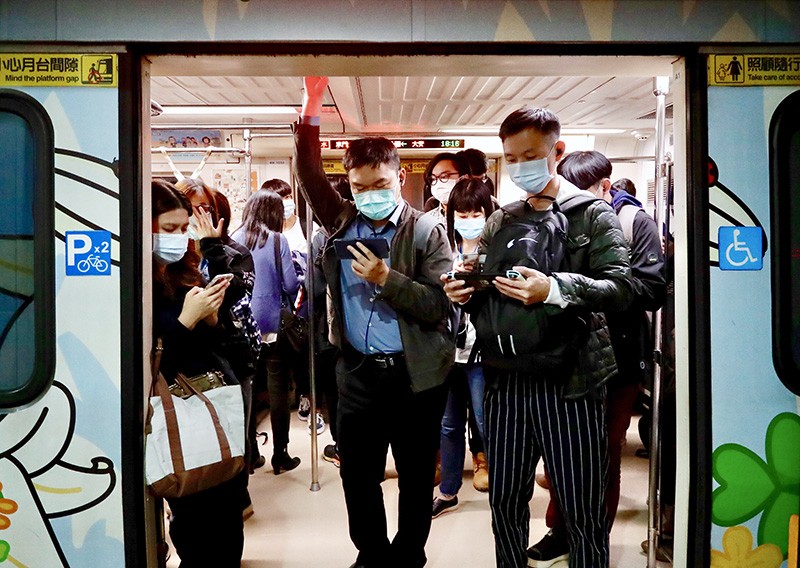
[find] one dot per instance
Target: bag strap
(279, 266)
(171, 420)
(626, 216)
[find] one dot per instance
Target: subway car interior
(227, 120)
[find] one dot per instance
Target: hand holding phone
(377, 246)
(219, 278)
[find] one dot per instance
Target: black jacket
(631, 335)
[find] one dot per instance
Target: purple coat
(267, 290)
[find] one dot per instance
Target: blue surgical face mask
(170, 247)
(288, 208)
(376, 204)
(470, 228)
(531, 176)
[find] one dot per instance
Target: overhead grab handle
(178, 174)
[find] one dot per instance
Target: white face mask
(442, 189)
(170, 247)
(288, 208)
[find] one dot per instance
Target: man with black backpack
(561, 259)
(630, 332)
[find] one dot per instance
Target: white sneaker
(303, 408)
(320, 424)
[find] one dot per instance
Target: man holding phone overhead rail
(391, 322)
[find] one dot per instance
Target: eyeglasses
(444, 177)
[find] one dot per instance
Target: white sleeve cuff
(554, 296)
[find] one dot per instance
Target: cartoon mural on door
(60, 459)
(755, 422)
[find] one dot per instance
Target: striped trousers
(526, 419)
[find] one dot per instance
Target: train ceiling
(432, 95)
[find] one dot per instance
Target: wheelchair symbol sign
(740, 248)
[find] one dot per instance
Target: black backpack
(511, 335)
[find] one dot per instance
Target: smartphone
(378, 246)
(219, 278)
(481, 280)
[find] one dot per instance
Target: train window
(785, 213)
(27, 330)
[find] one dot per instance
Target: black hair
(584, 169)
(458, 161)
(475, 160)
(165, 197)
(372, 151)
(477, 163)
(540, 119)
(278, 186)
(263, 213)
(469, 194)
(624, 184)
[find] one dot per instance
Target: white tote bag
(193, 443)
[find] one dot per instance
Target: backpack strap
(423, 227)
(626, 216)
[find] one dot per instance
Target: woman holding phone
(470, 204)
(185, 318)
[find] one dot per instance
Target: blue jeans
(466, 389)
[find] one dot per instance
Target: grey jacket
(413, 288)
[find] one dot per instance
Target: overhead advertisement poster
(58, 70)
(752, 70)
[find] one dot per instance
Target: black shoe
(663, 552)
(442, 506)
(257, 464)
(548, 551)
(283, 462)
(331, 454)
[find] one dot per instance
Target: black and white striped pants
(526, 419)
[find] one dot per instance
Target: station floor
(294, 527)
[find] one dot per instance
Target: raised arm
(312, 181)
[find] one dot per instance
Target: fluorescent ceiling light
(227, 110)
(592, 130)
(495, 129)
(473, 130)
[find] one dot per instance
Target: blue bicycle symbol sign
(92, 261)
(88, 253)
(740, 248)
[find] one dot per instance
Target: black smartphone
(378, 246)
(481, 280)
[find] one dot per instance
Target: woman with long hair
(208, 227)
(185, 318)
(275, 285)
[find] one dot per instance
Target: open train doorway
(227, 121)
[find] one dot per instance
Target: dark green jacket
(597, 279)
(413, 288)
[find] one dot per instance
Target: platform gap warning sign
(58, 70)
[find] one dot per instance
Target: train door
(753, 158)
(61, 347)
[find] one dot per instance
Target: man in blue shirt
(391, 322)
